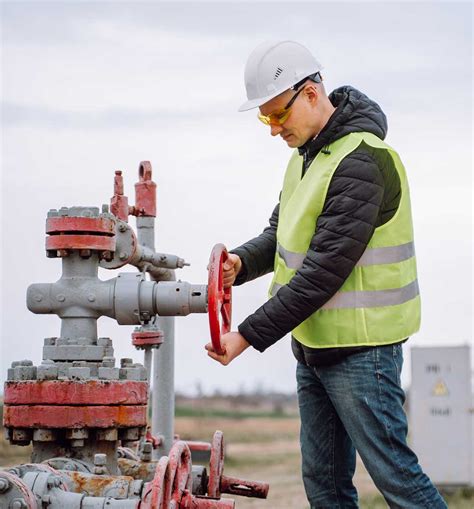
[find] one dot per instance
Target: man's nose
(275, 130)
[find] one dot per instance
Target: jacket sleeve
(258, 254)
(343, 231)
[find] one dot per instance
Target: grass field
(258, 447)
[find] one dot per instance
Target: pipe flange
(125, 247)
(15, 492)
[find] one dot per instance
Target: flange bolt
(54, 481)
(100, 460)
(146, 451)
(18, 503)
(4, 484)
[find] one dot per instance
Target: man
(340, 243)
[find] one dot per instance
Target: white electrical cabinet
(441, 413)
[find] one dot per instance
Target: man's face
(299, 126)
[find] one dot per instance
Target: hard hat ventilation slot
(278, 72)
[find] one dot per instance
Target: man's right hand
(232, 267)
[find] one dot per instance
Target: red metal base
(74, 404)
(66, 224)
(80, 242)
(60, 416)
(67, 392)
(143, 339)
(80, 233)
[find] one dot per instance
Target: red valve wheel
(181, 478)
(155, 491)
(219, 298)
(216, 465)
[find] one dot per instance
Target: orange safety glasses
(281, 116)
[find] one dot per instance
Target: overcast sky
(89, 88)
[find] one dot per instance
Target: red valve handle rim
(181, 467)
(216, 465)
(219, 298)
(160, 483)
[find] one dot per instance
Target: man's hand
(233, 344)
(232, 267)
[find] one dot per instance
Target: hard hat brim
(255, 103)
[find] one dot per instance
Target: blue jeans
(357, 404)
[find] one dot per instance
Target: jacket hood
(355, 112)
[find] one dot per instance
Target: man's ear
(311, 93)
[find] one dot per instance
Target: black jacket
(360, 198)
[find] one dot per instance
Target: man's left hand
(233, 344)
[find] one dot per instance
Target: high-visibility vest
(379, 302)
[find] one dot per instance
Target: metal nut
(100, 460)
(54, 481)
(108, 362)
(106, 342)
(18, 503)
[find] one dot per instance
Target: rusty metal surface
(195, 445)
(96, 242)
(172, 477)
(189, 501)
(99, 485)
(155, 441)
(243, 488)
(68, 392)
(137, 469)
(119, 202)
(145, 192)
(61, 416)
(65, 224)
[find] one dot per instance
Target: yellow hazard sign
(440, 389)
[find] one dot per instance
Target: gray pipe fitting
(178, 298)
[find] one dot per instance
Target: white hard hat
(274, 67)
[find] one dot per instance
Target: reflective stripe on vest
(374, 298)
(371, 256)
(368, 299)
(384, 255)
(292, 260)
